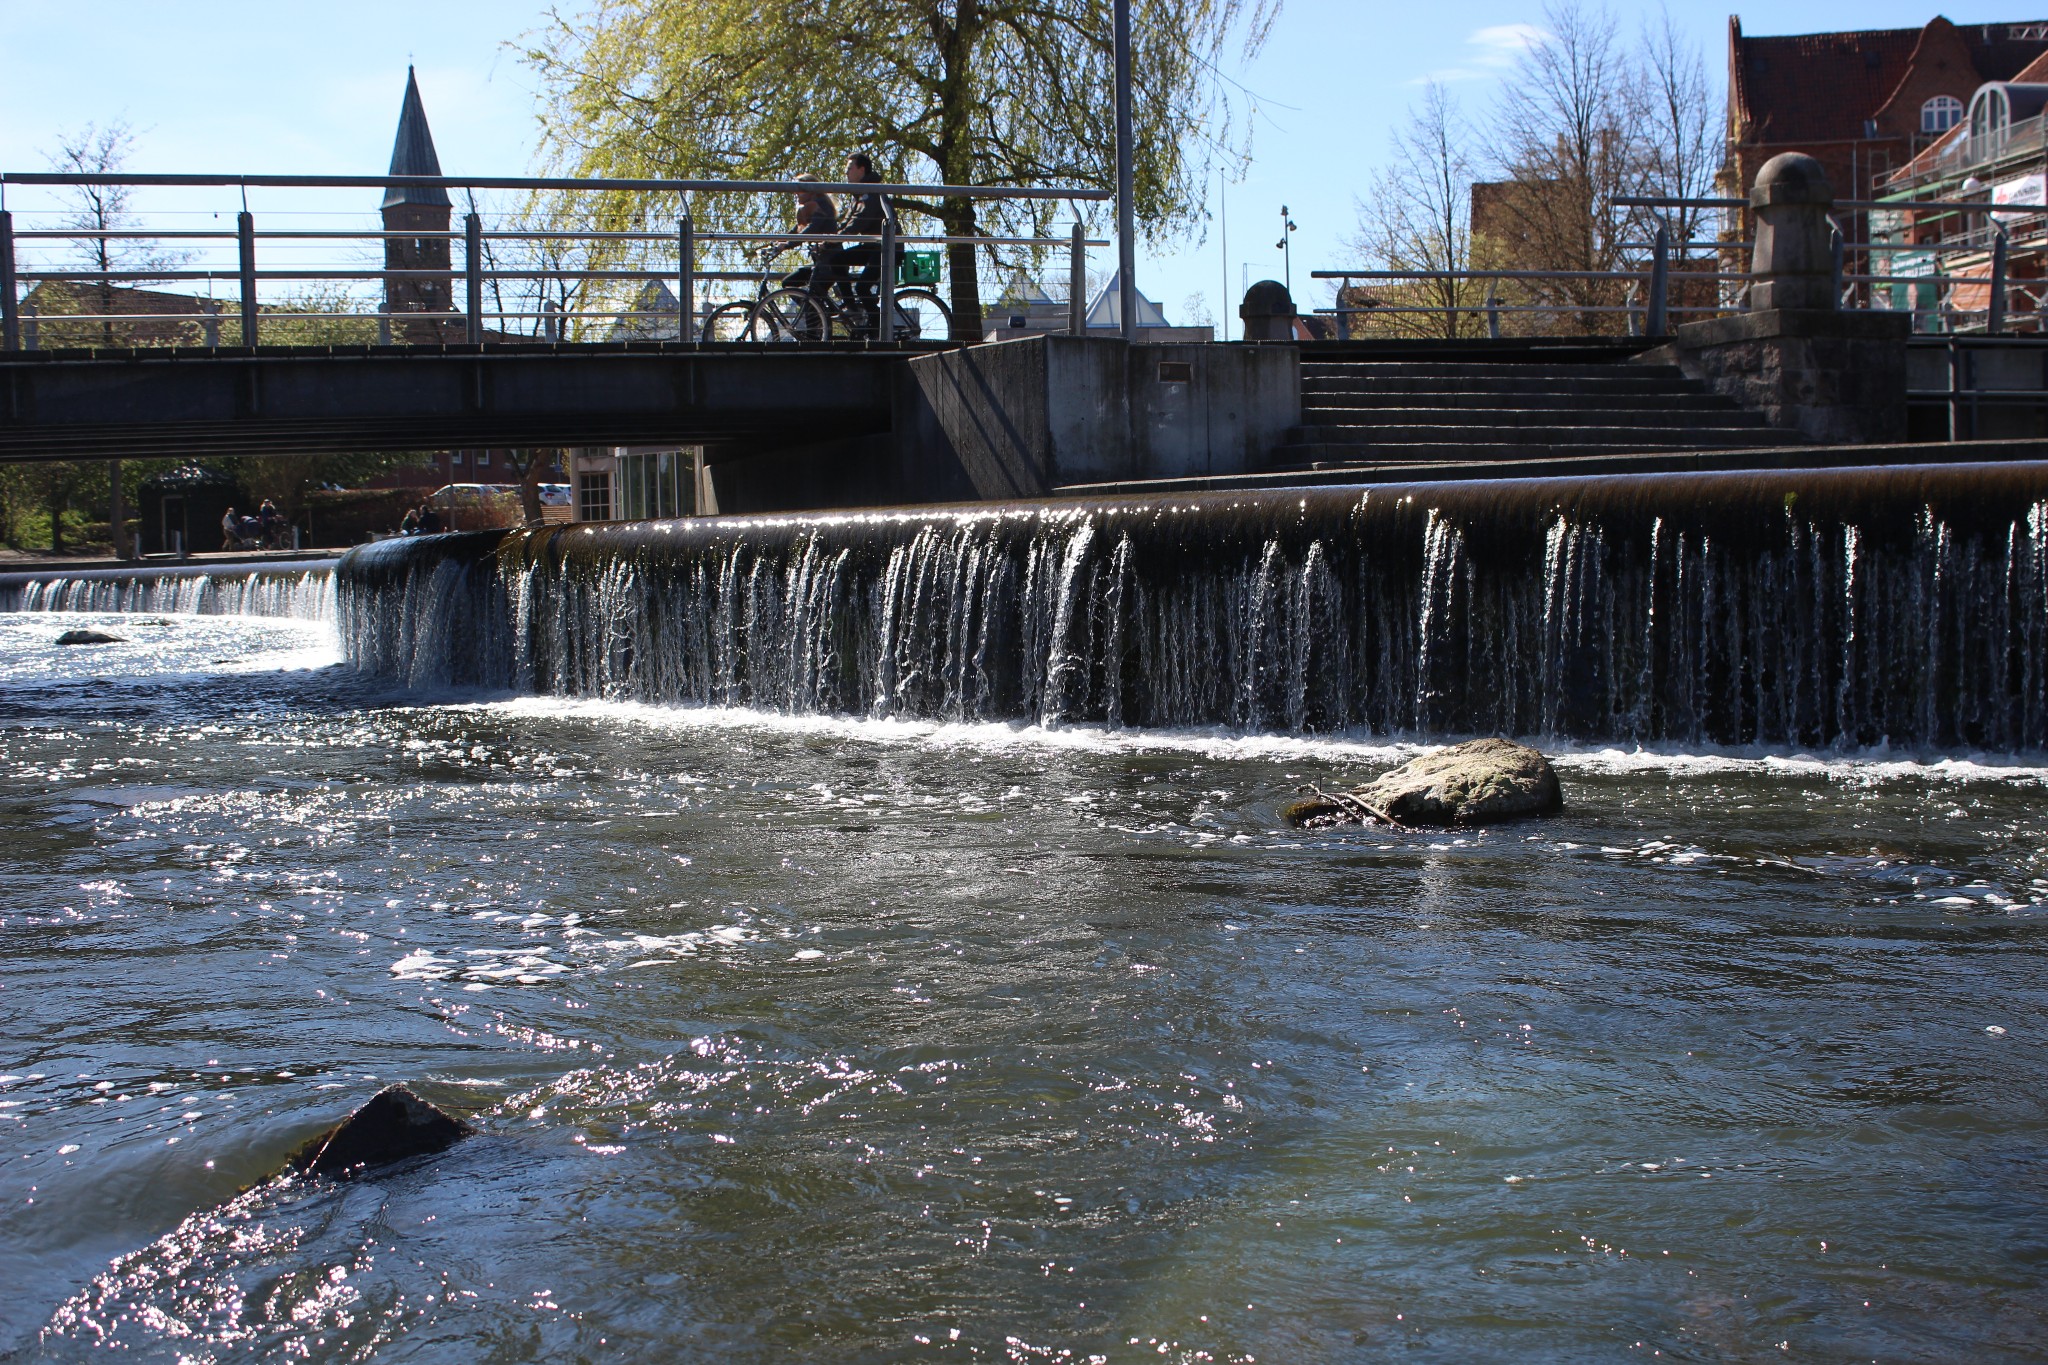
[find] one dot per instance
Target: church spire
(413, 152)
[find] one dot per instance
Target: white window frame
(1940, 114)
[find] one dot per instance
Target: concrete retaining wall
(1022, 418)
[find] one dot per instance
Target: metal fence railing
(1969, 267)
(468, 283)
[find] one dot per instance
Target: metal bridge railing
(554, 286)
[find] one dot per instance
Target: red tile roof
(1820, 87)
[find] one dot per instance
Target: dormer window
(1940, 114)
(1990, 117)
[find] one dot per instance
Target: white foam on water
(1881, 765)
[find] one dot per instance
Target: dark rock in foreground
(393, 1125)
(89, 637)
(1467, 784)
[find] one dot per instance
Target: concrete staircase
(1372, 412)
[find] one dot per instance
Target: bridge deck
(192, 402)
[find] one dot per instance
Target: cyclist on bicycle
(816, 215)
(866, 215)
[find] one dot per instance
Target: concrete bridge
(804, 425)
(152, 402)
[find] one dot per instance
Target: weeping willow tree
(997, 93)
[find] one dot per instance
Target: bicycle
(779, 313)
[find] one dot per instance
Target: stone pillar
(1793, 258)
(1268, 312)
(1823, 374)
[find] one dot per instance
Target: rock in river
(393, 1125)
(1467, 784)
(89, 637)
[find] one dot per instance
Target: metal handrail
(1515, 275)
(684, 240)
(1949, 205)
(515, 235)
(547, 182)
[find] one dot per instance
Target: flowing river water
(894, 1039)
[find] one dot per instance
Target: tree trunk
(529, 486)
(955, 160)
(964, 260)
(117, 509)
(59, 501)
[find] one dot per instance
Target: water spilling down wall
(303, 591)
(1841, 607)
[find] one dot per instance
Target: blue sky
(226, 85)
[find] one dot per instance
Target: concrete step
(1602, 384)
(1304, 457)
(1395, 439)
(1592, 417)
(1417, 369)
(1477, 401)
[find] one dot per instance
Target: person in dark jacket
(862, 261)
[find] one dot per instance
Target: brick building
(428, 298)
(419, 305)
(50, 313)
(1863, 103)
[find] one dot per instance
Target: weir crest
(1844, 608)
(301, 591)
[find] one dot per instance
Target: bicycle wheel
(921, 316)
(786, 315)
(726, 322)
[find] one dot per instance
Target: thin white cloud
(1501, 44)
(1488, 52)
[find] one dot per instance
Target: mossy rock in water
(1316, 812)
(1467, 784)
(89, 637)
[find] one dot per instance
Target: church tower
(411, 209)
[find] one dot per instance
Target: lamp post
(1285, 246)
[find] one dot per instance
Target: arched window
(1990, 115)
(1940, 114)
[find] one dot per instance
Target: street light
(1285, 246)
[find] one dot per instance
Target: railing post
(1077, 282)
(1126, 178)
(885, 297)
(10, 308)
(473, 275)
(1994, 321)
(550, 320)
(1838, 251)
(1955, 389)
(1659, 322)
(245, 239)
(686, 279)
(209, 323)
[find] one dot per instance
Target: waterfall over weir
(1815, 608)
(303, 590)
